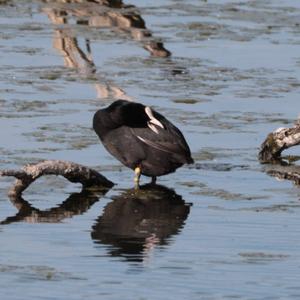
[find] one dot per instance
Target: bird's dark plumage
(141, 137)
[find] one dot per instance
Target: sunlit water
(220, 229)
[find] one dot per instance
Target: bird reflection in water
(138, 220)
(75, 204)
(113, 14)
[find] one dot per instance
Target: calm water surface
(220, 229)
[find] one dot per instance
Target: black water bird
(141, 138)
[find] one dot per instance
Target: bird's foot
(137, 172)
(153, 180)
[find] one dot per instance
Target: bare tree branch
(277, 141)
(71, 171)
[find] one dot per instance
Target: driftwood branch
(271, 149)
(278, 141)
(71, 171)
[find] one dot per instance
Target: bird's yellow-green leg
(137, 172)
(153, 180)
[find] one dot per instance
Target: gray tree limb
(71, 171)
(278, 141)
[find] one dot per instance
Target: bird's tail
(189, 160)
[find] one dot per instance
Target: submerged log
(278, 141)
(70, 170)
(271, 149)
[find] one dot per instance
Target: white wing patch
(143, 140)
(154, 145)
(153, 121)
(152, 127)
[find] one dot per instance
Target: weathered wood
(70, 170)
(278, 141)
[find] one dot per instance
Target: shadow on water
(75, 204)
(138, 220)
(120, 18)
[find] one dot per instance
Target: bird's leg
(137, 172)
(153, 180)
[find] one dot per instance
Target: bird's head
(133, 115)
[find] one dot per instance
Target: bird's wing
(168, 139)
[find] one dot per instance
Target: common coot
(141, 138)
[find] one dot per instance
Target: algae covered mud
(226, 73)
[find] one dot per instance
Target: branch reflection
(284, 170)
(138, 220)
(113, 14)
(75, 204)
